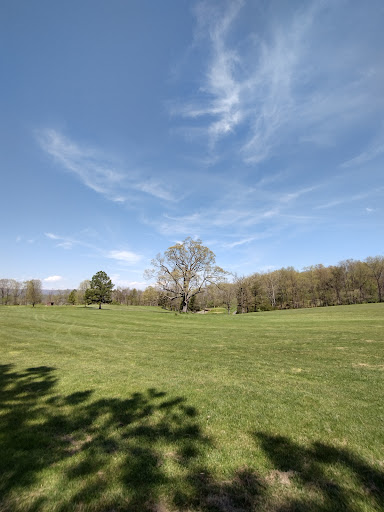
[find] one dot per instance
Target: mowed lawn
(139, 409)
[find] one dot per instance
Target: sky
(127, 126)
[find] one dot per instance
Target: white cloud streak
(52, 236)
(374, 150)
(238, 213)
(121, 256)
(288, 85)
(126, 257)
(64, 242)
(98, 172)
(350, 199)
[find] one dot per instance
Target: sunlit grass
(142, 409)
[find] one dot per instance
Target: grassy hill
(134, 409)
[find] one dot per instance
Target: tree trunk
(99, 305)
(379, 290)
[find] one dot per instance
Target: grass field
(139, 409)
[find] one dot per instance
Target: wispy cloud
(231, 245)
(119, 255)
(238, 212)
(126, 257)
(252, 88)
(374, 149)
(219, 99)
(99, 172)
(52, 236)
(350, 199)
(155, 188)
(279, 85)
(292, 196)
(64, 242)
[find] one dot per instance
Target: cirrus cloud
(126, 257)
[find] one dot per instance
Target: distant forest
(349, 282)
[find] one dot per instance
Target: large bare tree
(184, 270)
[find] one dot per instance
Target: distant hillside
(54, 292)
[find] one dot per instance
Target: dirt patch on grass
(75, 445)
(281, 477)
(157, 507)
(369, 366)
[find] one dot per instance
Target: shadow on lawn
(330, 478)
(143, 453)
(107, 454)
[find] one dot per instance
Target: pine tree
(101, 288)
(72, 297)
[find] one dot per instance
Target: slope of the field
(134, 409)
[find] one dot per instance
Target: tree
(88, 297)
(242, 294)
(33, 291)
(150, 296)
(376, 266)
(83, 287)
(100, 290)
(5, 290)
(17, 290)
(271, 284)
(72, 297)
(184, 270)
(228, 294)
(337, 281)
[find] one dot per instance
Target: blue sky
(126, 126)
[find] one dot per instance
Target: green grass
(217, 311)
(138, 409)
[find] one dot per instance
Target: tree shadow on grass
(328, 478)
(147, 452)
(72, 453)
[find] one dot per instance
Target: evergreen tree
(101, 289)
(72, 297)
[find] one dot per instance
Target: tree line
(349, 282)
(187, 279)
(14, 293)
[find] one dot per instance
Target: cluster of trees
(186, 275)
(349, 282)
(98, 290)
(135, 297)
(120, 295)
(187, 279)
(14, 292)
